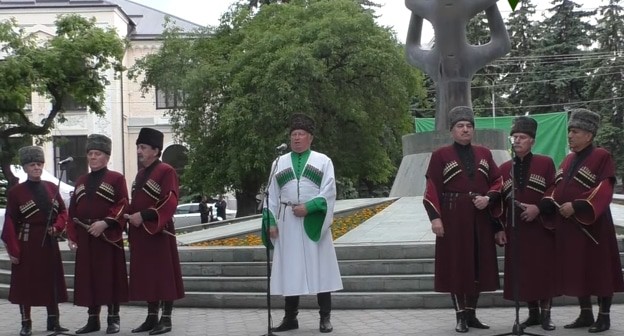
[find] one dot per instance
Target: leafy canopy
(75, 64)
(242, 81)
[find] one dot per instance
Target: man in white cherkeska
(302, 194)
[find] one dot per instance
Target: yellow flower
(340, 227)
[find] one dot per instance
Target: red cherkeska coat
(38, 279)
(534, 241)
(584, 268)
(155, 273)
(465, 261)
(100, 276)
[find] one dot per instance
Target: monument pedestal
(417, 149)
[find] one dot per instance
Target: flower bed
(340, 226)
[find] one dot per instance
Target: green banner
(552, 131)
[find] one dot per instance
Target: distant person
(37, 276)
(461, 198)
(530, 249)
(205, 211)
(302, 194)
(221, 205)
(155, 273)
(99, 204)
(587, 254)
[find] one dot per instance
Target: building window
(28, 105)
(165, 100)
(76, 147)
(69, 104)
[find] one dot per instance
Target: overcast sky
(392, 13)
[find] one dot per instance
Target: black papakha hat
(585, 120)
(460, 113)
(524, 125)
(31, 154)
(302, 122)
(99, 142)
(150, 136)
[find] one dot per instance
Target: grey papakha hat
(584, 119)
(460, 113)
(99, 142)
(31, 154)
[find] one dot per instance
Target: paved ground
(242, 322)
(403, 221)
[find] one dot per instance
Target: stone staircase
(374, 276)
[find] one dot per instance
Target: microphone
(68, 160)
(281, 147)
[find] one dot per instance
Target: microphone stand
(265, 224)
(516, 329)
(51, 239)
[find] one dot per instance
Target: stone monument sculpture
(451, 63)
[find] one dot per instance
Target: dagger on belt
(103, 236)
(126, 216)
(580, 226)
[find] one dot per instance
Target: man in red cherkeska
(155, 274)
(529, 240)
(463, 188)
(37, 277)
(587, 254)
(95, 228)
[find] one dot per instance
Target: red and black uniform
(155, 273)
(587, 255)
(100, 274)
(38, 279)
(466, 255)
(465, 261)
(586, 267)
(535, 248)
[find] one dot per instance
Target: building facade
(128, 109)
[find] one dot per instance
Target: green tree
(484, 82)
(71, 65)
(242, 81)
(520, 66)
(606, 87)
(561, 77)
(256, 3)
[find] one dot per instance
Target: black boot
(112, 321)
(113, 324)
(461, 326)
(603, 323)
(151, 320)
(547, 323)
(163, 326)
(291, 310)
(324, 302)
(534, 315)
(26, 328)
(472, 321)
(54, 325)
(93, 324)
(325, 325)
(585, 319)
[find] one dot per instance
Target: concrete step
(347, 267)
(340, 300)
(375, 276)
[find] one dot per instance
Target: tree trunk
(8, 174)
(246, 203)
